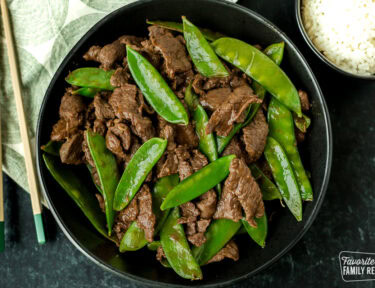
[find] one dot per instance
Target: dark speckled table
(345, 222)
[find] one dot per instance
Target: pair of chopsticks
(30, 168)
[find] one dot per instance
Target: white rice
(344, 31)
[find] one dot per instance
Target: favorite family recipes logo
(357, 266)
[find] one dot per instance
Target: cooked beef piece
(235, 147)
(108, 55)
(99, 127)
(229, 251)
(300, 136)
(304, 98)
(60, 131)
(240, 189)
(160, 255)
(202, 225)
(167, 165)
(125, 217)
(133, 41)
(146, 219)
(103, 111)
(198, 83)
(143, 105)
(184, 167)
(207, 204)
(151, 53)
(181, 80)
(100, 201)
(95, 176)
(255, 136)
(238, 78)
(189, 213)
(185, 135)
(120, 77)
(198, 160)
(197, 239)
(126, 104)
(216, 82)
(72, 110)
(232, 111)
(118, 138)
(215, 98)
(71, 150)
(172, 50)
(167, 131)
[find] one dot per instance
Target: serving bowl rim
(316, 51)
(140, 280)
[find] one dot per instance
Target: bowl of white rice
(341, 33)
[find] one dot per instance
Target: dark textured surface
(345, 222)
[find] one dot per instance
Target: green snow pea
(258, 234)
(134, 238)
(261, 68)
(175, 26)
(137, 170)
(52, 148)
(302, 123)
(87, 92)
(207, 143)
(91, 77)
(106, 166)
(153, 246)
(75, 187)
(176, 248)
(198, 183)
(275, 52)
(269, 190)
(201, 53)
(217, 235)
(281, 128)
(283, 174)
(157, 92)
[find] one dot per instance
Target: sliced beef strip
(86, 152)
(99, 127)
(189, 213)
(72, 110)
(232, 111)
(184, 167)
(167, 165)
(186, 135)
(71, 150)
(197, 239)
(304, 98)
(108, 55)
(133, 42)
(125, 217)
(103, 111)
(118, 138)
(61, 131)
(126, 104)
(167, 131)
(214, 98)
(229, 251)
(146, 219)
(255, 136)
(172, 50)
(235, 147)
(207, 204)
(100, 199)
(198, 83)
(240, 190)
(120, 78)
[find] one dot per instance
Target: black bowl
(284, 231)
(316, 51)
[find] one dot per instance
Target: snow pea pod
(153, 246)
(52, 148)
(207, 143)
(269, 190)
(87, 92)
(91, 77)
(261, 68)
(134, 238)
(106, 166)
(281, 128)
(175, 26)
(157, 92)
(198, 183)
(302, 123)
(201, 53)
(137, 170)
(176, 248)
(275, 52)
(283, 174)
(258, 234)
(75, 187)
(217, 235)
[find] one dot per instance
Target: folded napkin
(44, 31)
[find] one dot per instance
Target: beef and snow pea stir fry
(186, 134)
